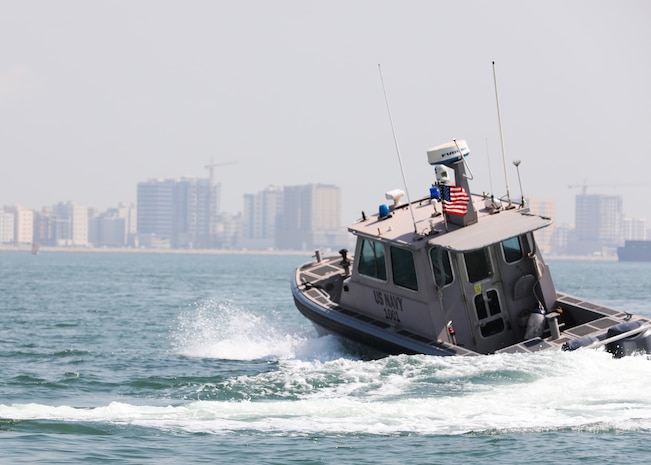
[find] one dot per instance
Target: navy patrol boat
(455, 273)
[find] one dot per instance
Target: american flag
(455, 200)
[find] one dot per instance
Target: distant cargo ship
(635, 251)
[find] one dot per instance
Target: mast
(499, 120)
(395, 141)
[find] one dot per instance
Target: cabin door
(485, 302)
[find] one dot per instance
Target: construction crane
(211, 169)
(584, 186)
(211, 202)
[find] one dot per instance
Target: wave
(222, 330)
(582, 391)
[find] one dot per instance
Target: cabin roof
(490, 230)
(433, 229)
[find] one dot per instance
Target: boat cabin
(455, 273)
(474, 285)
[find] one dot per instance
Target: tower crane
(211, 169)
(584, 186)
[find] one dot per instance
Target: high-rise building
(70, 221)
(635, 229)
(177, 213)
(598, 224)
(7, 229)
(22, 224)
(311, 218)
(260, 219)
(45, 227)
(114, 227)
(191, 228)
(544, 207)
(128, 212)
(227, 230)
(155, 204)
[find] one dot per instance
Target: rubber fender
(623, 328)
(579, 342)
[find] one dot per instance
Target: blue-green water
(166, 359)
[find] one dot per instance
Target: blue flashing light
(384, 211)
(435, 192)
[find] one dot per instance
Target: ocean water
(167, 359)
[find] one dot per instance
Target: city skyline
(95, 96)
(176, 214)
(537, 200)
(600, 225)
(184, 213)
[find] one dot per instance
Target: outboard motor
(639, 342)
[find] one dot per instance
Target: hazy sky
(96, 96)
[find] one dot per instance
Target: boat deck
(323, 283)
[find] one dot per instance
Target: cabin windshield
(372, 260)
(404, 271)
(441, 266)
(478, 265)
(512, 249)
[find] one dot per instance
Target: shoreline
(132, 250)
(582, 258)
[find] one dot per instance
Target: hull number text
(391, 304)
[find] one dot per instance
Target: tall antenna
(499, 119)
(395, 140)
(517, 168)
(488, 159)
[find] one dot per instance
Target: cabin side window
(478, 265)
(512, 249)
(372, 260)
(403, 268)
(441, 266)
